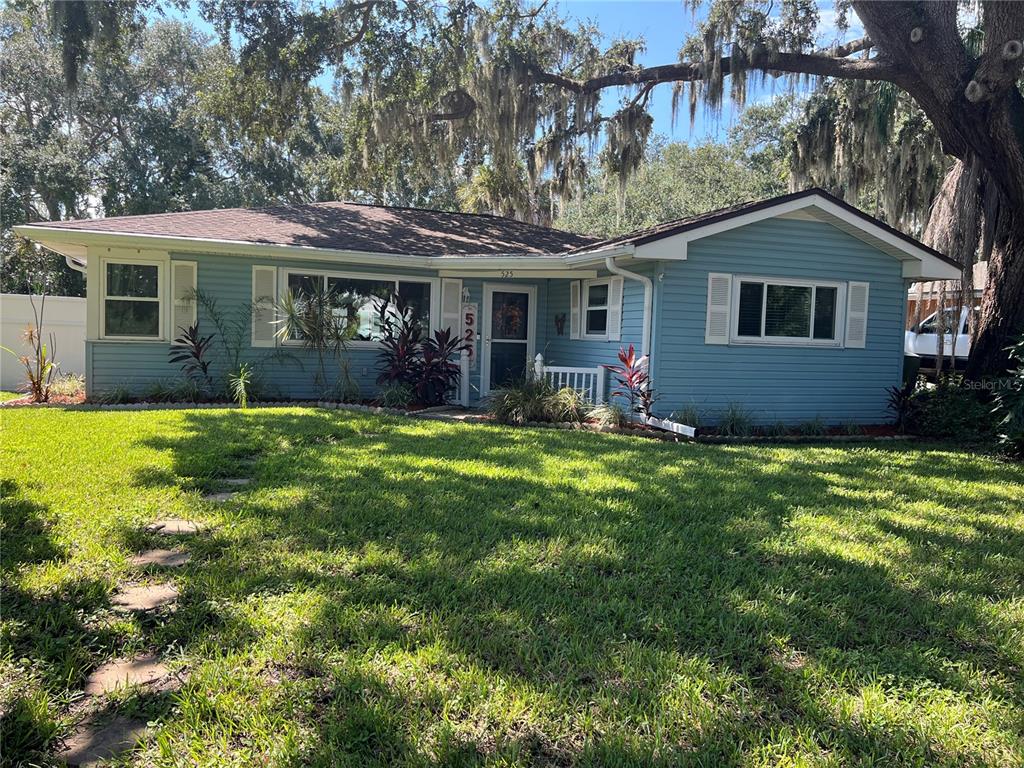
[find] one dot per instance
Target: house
(793, 307)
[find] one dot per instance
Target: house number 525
(507, 273)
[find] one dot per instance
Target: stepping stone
(173, 525)
(145, 598)
(95, 741)
(236, 481)
(219, 497)
(122, 673)
(167, 558)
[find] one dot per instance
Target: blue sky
(665, 25)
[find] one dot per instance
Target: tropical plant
(633, 382)
(736, 421)
(902, 404)
(401, 343)
(239, 383)
(951, 409)
(689, 414)
(437, 373)
(40, 366)
(608, 415)
(815, 427)
(397, 395)
(190, 351)
(346, 389)
(316, 318)
(1009, 404)
(537, 400)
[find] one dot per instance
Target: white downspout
(615, 269)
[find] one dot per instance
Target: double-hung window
(132, 299)
(777, 311)
(595, 306)
(356, 300)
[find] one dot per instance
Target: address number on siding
(507, 273)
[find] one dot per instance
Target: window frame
(585, 307)
(788, 341)
(160, 299)
(433, 282)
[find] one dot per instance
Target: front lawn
(399, 592)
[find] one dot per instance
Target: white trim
(433, 282)
(192, 302)
(575, 300)
(254, 297)
(531, 328)
(161, 298)
(585, 308)
(787, 341)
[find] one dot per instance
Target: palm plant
(40, 366)
(316, 317)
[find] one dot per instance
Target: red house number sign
(469, 332)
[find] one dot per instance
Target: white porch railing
(463, 389)
(589, 382)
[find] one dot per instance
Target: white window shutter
(451, 305)
(183, 297)
(716, 328)
(615, 309)
(857, 315)
(264, 299)
(574, 309)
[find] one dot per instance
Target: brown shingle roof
(348, 227)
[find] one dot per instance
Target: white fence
(64, 317)
(589, 382)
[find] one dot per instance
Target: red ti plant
(633, 381)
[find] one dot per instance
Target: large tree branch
(1002, 59)
(833, 63)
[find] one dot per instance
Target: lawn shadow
(581, 568)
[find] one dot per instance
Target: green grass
(396, 592)
(5, 396)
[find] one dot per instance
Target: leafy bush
(815, 427)
(113, 396)
(950, 410)
(736, 421)
(634, 382)
(776, 429)
(312, 317)
(190, 351)
(689, 415)
(537, 400)
(68, 385)
(397, 396)
(608, 415)
(852, 428)
(408, 358)
(1009, 405)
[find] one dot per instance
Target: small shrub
(815, 427)
(68, 385)
(951, 410)
(436, 373)
(690, 415)
(736, 421)
(190, 351)
(239, 383)
(114, 396)
(608, 415)
(902, 404)
(40, 366)
(566, 404)
(852, 428)
(400, 343)
(776, 429)
(346, 389)
(397, 396)
(537, 400)
(1009, 405)
(634, 382)
(158, 392)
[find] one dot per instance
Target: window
(595, 302)
(357, 299)
(131, 300)
(786, 312)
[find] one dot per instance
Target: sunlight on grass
(398, 592)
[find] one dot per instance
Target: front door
(509, 341)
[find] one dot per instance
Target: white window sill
(803, 344)
(133, 339)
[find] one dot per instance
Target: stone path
(174, 526)
(145, 597)
(165, 558)
(99, 738)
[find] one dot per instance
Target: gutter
(75, 265)
(615, 269)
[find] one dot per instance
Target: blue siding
(789, 384)
(286, 372)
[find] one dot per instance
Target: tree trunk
(1002, 307)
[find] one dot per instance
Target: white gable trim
(918, 263)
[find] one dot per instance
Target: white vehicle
(923, 339)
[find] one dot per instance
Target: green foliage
(41, 367)
(736, 421)
(776, 429)
(239, 383)
(1009, 404)
(815, 427)
(608, 415)
(689, 414)
(68, 385)
(116, 395)
(536, 400)
(191, 350)
(312, 317)
(397, 395)
(951, 410)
